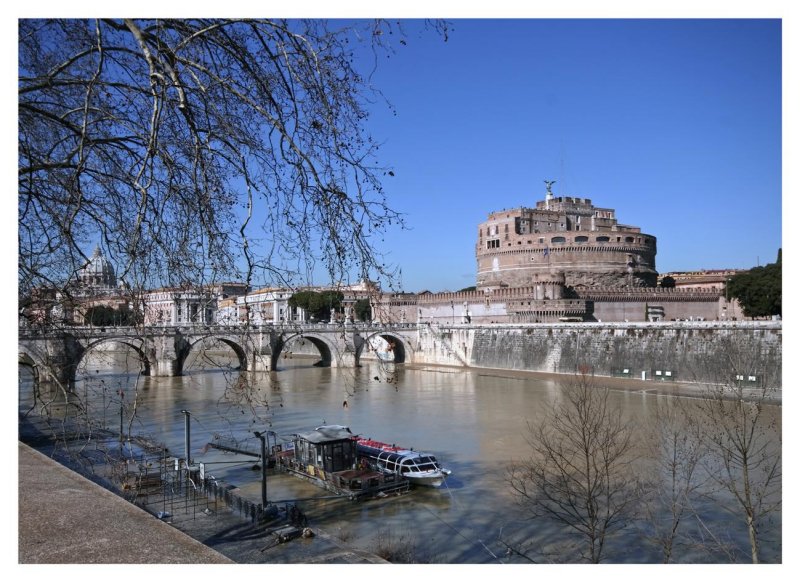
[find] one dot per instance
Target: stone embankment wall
(680, 351)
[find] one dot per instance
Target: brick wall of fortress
(607, 304)
(686, 349)
(590, 264)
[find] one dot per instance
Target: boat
(419, 468)
(327, 457)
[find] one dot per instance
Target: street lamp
(262, 438)
(186, 434)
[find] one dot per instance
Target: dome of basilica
(98, 272)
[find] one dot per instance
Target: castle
(563, 238)
(563, 260)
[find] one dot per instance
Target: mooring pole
(261, 437)
(121, 412)
(186, 434)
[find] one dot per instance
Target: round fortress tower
(563, 237)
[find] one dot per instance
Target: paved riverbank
(65, 518)
(633, 385)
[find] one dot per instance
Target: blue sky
(674, 123)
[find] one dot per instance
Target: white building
(187, 306)
(260, 307)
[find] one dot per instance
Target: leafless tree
(677, 480)
(742, 429)
(580, 472)
(199, 150)
(195, 152)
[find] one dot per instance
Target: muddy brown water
(474, 421)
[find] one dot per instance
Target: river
(474, 421)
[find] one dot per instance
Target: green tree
(318, 305)
(758, 290)
(363, 310)
(100, 315)
(104, 315)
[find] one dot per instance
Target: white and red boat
(419, 468)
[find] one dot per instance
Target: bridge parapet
(164, 349)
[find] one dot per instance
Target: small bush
(398, 549)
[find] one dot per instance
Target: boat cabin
(327, 448)
(402, 462)
(327, 457)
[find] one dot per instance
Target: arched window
(580, 239)
(629, 239)
(558, 239)
(602, 239)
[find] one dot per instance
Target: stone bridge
(57, 354)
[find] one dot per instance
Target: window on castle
(558, 239)
(602, 239)
(581, 239)
(629, 239)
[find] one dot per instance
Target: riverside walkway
(64, 518)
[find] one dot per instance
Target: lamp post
(727, 300)
(121, 413)
(186, 435)
(262, 438)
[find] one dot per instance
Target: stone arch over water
(34, 363)
(326, 350)
(236, 346)
(135, 344)
(396, 346)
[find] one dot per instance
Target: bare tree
(742, 430)
(580, 472)
(195, 152)
(677, 479)
(198, 150)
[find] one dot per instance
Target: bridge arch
(33, 361)
(397, 345)
(325, 348)
(235, 345)
(136, 344)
